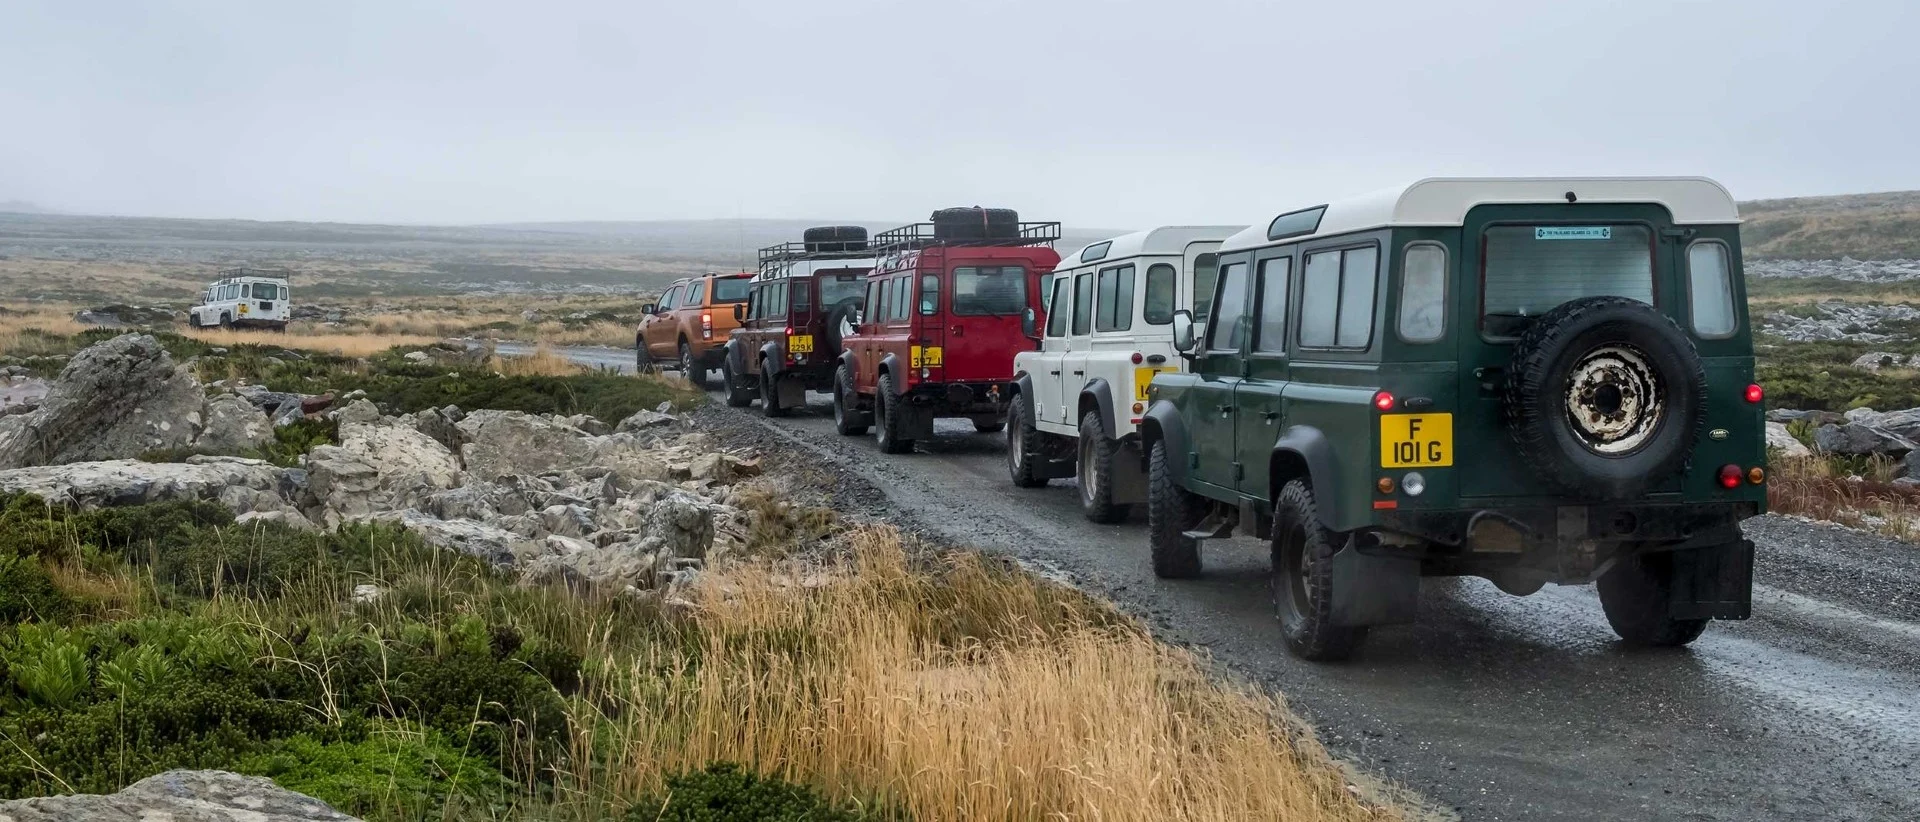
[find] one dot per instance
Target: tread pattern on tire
(887, 419)
(1171, 511)
(690, 367)
(1312, 635)
(1022, 463)
(847, 418)
(1099, 507)
(1635, 595)
(770, 393)
(737, 395)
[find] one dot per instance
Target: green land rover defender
(1527, 380)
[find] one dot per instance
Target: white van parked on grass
(1109, 330)
(244, 298)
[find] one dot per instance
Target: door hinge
(1239, 471)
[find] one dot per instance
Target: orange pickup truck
(688, 328)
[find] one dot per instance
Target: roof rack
(923, 235)
(227, 274)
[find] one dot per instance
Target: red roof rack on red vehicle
(973, 226)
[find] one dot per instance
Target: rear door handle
(1055, 373)
(1269, 416)
(1224, 409)
(1079, 373)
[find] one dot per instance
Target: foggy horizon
(1103, 115)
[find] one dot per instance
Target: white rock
(132, 482)
(1778, 439)
(179, 796)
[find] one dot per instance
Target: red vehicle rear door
(985, 303)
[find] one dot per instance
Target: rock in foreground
(180, 796)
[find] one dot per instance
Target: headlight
(1413, 483)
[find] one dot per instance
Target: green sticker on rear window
(1568, 232)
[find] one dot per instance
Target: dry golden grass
(303, 338)
(971, 694)
(543, 362)
(1854, 492)
(20, 331)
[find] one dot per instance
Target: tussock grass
(544, 362)
(305, 339)
(1853, 491)
(41, 330)
(965, 692)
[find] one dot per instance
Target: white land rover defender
(244, 298)
(1109, 329)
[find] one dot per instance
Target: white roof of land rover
(1168, 239)
(1445, 201)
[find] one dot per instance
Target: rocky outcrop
(1779, 440)
(180, 796)
(503, 443)
(233, 425)
(378, 466)
(118, 399)
(1860, 439)
(244, 485)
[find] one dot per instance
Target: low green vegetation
(1819, 376)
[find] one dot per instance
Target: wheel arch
(1305, 452)
(1097, 394)
(1162, 423)
(771, 361)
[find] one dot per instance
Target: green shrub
(28, 594)
(726, 792)
(396, 772)
(31, 527)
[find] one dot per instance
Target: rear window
(730, 290)
(837, 288)
(1531, 269)
(982, 290)
(266, 291)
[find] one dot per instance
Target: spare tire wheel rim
(1614, 399)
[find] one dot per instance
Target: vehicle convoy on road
(690, 324)
(1527, 380)
(948, 305)
(244, 298)
(789, 340)
(1077, 402)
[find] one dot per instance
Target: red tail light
(1137, 359)
(788, 331)
(1755, 393)
(1731, 476)
(1383, 401)
(706, 319)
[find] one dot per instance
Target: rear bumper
(257, 322)
(1642, 522)
(960, 399)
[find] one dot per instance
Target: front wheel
(1023, 448)
(847, 418)
(737, 394)
(888, 427)
(690, 368)
(1095, 473)
(1303, 552)
(642, 358)
(1172, 511)
(1636, 594)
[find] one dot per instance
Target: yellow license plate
(1143, 377)
(1416, 440)
(800, 344)
(928, 357)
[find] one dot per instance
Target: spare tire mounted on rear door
(1606, 397)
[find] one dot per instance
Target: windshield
(1530, 269)
(266, 291)
(839, 287)
(979, 290)
(730, 290)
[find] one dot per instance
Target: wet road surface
(1493, 706)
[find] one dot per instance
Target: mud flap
(1374, 590)
(1129, 473)
(793, 393)
(1715, 582)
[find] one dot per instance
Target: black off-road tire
(842, 312)
(1171, 512)
(770, 393)
(1303, 552)
(1635, 594)
(642, 358)
(226, 320)
(1024, 453)
(1541, 399)
(738, 394)
(847, 416)
(886, 419)
(690, 368)
(1095, 473)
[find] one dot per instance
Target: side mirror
(649, 309)
(1029, 322)
(739, 312)
(1183, 337)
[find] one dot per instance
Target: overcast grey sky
(1109, 114)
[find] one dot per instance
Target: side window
(1270, 334)
(1161, 282)
(697, 293)
(753, 301)
(666, 300)
(1057, 321)
(876, 308)
(802, 295)
(1046, 291)
(1423, 293)
(1115, 310)
(929, 294)
(1082, 304)
(1227, 330)
(903, 298)
(1710, 289)
(1206, 271)
(284, 294)
(1336, 298)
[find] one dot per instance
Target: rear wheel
(770, 393)
(1171, 512)
(737, 394)
(1023, 448)
(690, 368)
(1303, 552)
(847, 418)
(887, 425)
(1095, 472)
(1636, 594)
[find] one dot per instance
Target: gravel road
(1491, 706)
